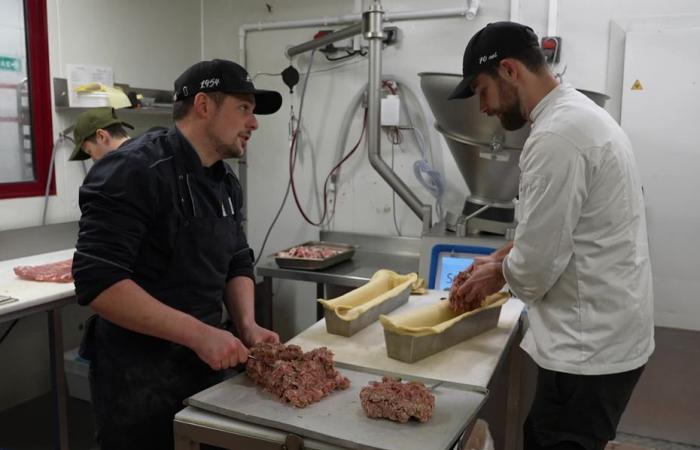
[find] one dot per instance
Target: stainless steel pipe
(344, 33)
(372, 29)
(374, 34)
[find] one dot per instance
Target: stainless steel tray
(337, 420)
(336, 325)
(411, 348)
(286, 262)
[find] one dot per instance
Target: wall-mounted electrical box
(391, 35)
(551, 47)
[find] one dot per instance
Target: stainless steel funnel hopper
(486, 154)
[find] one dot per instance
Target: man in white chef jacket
(580, 257)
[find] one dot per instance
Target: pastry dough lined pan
(409, 349)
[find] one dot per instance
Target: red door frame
(40, 103)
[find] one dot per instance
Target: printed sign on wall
(9, 64)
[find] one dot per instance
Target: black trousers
(137, 392)
(577, 412)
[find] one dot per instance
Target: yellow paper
(116, 97)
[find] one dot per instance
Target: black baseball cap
(491, 44)
(220, 75)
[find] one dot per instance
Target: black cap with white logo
(488, 47)
(220, 75)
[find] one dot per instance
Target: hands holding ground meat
(471, 287)
(294, 376)
(219, 348)
(222, 350)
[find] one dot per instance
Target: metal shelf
(162, 97)
(143, 110)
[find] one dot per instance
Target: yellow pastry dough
(419, 287)
(435, 318)
(383, 285)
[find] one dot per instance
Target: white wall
(147, 44)
(667, 152)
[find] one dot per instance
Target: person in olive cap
(580, 257)
(97, 132)
(161, 245)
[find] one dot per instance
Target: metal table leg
(513, 426)
(320, 293)
(263, 310)
(58, 380)
(189, 436)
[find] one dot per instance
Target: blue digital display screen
(449, 267)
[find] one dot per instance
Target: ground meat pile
(311, 252)
(59, 272)
(457, 302)
(294, 376)
(391, 399)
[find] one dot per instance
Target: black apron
(138, 382)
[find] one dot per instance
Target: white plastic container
(77, 370)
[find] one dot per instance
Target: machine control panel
(447, 260)
(449, 266)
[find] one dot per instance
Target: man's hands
(219, 348)
(222, 350)
(481, 261)
(255, 334)
(485, 277)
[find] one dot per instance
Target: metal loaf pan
(286, 262)
(414, 348)
(336, 325)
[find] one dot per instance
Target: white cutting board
(339, 419)
(32, 293)
(471, 363)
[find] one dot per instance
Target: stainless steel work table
(36, 297)
(236, 414)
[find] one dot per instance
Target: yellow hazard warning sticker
(637, 86)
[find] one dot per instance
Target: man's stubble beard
(511, 118)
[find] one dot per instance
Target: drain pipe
(469, 11)
(553, 18)
(371, 27)
(515, 10)
(374, 33)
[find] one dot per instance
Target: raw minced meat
(394, 400)
(294, 376)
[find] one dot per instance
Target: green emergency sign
(9, 64)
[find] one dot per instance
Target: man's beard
(223, 149)
(511, 117)
(227, 150)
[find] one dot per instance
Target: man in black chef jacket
(160, 245)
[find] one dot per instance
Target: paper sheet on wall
(81, 74)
